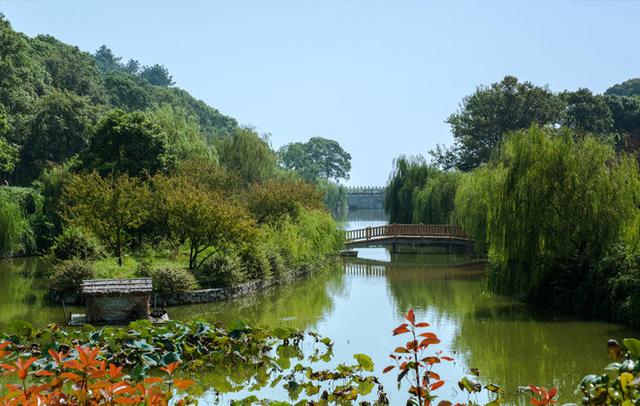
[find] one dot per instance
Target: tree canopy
(127, 143)
(318, 158)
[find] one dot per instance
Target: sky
(380, 77)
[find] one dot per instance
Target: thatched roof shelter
(117, 301)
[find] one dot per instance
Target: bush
(169, 280)
(76, 243)
(68, 275)
(273, 200)
(221, 270)
(11, 227)
(276, 263)
(256, 262)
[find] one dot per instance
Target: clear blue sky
(378, 76)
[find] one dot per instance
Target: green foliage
(239, 356)
(21, 218)
(59, 129)
(13, 226)
(620, 383)
(170, 280)
(127, 143)
(335, 197)
(110, 207)
(69, 69)
(434, 202)
(318, 158)
(409, 174)
(203, 217)
(554, 207)
(248, 155)
(629, 87)
(472, 204)
(486, 116)
(221, 270)
(184, 138)
(612, 287)
(67, 276)
(256, 261)
(157, 75)
(313, 236)
(587, 113)
(271, 200)
(126, 92)
(75, 243)
(8, 157)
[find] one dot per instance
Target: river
(359, 304)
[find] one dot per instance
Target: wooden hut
(117, 301)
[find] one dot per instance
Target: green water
(360, 302)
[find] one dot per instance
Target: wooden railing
(406, 230)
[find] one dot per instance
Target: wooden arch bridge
(443, 235)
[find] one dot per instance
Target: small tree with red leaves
(414, 364)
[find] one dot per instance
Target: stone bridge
(365, 197)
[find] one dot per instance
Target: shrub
(256, 262)
(169, 280)
(272, 200)
(13, 227)
(76, 243)
(220, 270)
(276, 263)
(68, 275)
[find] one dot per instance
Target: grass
(109, 268)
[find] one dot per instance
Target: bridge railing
(411, 230)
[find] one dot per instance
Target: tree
(110, 207)
(106, 60)
(185, 141)
(271, 200)
(204, 218)
(132, 67)
(127, 143)
(8, 158)
(318, 158)
(587, 113)
(626, 120)
(556, 204)
(629, 87)
(126, 91)
(409, 174)
(59, 129)
(22, 79)
(486, 116)
(157, 75)
(248, 155)
(70, 69)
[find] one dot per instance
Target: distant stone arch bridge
(365, 197)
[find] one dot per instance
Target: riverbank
(199, 296)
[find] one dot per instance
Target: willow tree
(434, 202)
(409, 174)
(555, 207)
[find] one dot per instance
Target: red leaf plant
(413, 364)
(78, 378)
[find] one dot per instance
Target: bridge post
(368, 233)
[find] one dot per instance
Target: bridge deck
(407, 234)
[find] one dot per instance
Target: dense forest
(547, 184)
(109, 170)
